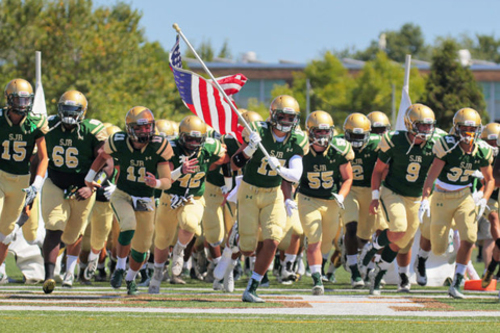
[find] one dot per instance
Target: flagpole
(219, 88)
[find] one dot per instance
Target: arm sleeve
(294, 171)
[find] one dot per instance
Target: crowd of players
(164, 201)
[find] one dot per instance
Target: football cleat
(404, 283)
(225, 264)
(117, 278)
(376, 276)
(454, 289)
(49, 286)
(82, 279)
(101, 275)
(177, 260)
(287, 273)
(131, 288)
(89, 271)
(228, 285)
(154, 284)
(250, 294)
(217, 285)
(318, 288)
(486, 280)
(177, 280)
(356, 279)
(419, 268)
(145, 278)
(68, 280)
(264, 283)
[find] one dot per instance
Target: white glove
(477, 174)
(108, 191)
(340, 200)
(424, 207)
(12, 236)
(31, 193)
(177, 201)
(290, 205)
(228, 185)
(253, 143)
(477, 196)
(483, 204)
(274, 163)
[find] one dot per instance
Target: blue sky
(300, 30)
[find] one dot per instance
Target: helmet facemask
(141, 131)
(321, 135)
(192, 141)
(70, 112)
(20, 103)
(423, 129)
(357, 137)
(469, 134)
(285, 120)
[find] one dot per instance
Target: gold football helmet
(140, 124)
(420, 120)
(380, 122)
(19, 96)
(490, 134)
(284, 113)
(72, 107)
(110, 130)
(467, 124)
(192, 133)
(250, 117)
(166, 128)
(357, 128)
(319, 125)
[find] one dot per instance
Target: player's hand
(83, 193)
(423, 209)
(290, 205)
(374, 207)
(339, 198)
(31, 193)
(12, 236)
(482, 204)
(253, 144)
(92, 185)
(477, 196)
(150, 180)
(109, 190)
(189, 165)
(274, 163)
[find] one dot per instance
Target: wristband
(249, 151)
(176, 173)
(375, 195)
(158, 183)
(90, 176)
(38, 182)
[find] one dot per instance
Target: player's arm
(489, 181)
(164, 180)
(347, 179)
(434, 171)
(96, 166)
(378, 172)
(224, 159)
(43, 158)
(246, 151)
(496, 171)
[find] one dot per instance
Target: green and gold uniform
(187, 217)
(321, 177)
(452, 198)
(357, 202)
(401, 191)
(17, 144)
(71, 153)
(260, 199)
(133, 165)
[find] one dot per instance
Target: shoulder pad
(210, 140)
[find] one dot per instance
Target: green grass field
(198, 297)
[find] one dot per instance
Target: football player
(181, 207)
(379, 121)
(260, 199)
(457, 157)
(166, 128)
(359, 224)
(67, 202)
(321, 197)
(21, 131)
(140, 155)
(407, 155)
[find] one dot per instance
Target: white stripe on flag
(229, 116)
(195, 95)
(212, 108)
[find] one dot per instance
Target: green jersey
(321, 175)
(215, 177)
(134, 163)
(407, 167)
(194, 183)
(257, 171)
(459, 166)
(18, 141)
(73, 151)
(364, 161)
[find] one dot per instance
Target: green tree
(451, 86)
(374, 85)
(100, 51)
(331, 86)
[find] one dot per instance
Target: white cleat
(68, 280)
(228, 286)
(154, 284)
(177, 260)
(89, 271)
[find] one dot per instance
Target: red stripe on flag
(205, 106)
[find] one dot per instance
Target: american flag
(202, 97)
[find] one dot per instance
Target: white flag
(403, 106)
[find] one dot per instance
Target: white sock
(371, 265)
(183, 246)
(352, 259)
(315, 269)
(160, 265)
(216, 260)
(405, 270)
(256, 277)
(460, 269)
(131, 275)
(2, 269)
(471, 271)
(384, 265)
(290, 257)
(121, 263)
(71, 262)
(93, 256)
(423, 254)
(325, 256)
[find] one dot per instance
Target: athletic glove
(108, 191)
(424, 207)
(290, 205)
(477, 196)
(31, 193)
(482, 204)
(339, 198)
(274, 163)
(253, 143)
